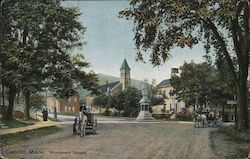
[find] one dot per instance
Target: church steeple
(125, 75)
(125, 65)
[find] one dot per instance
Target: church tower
(125, 75)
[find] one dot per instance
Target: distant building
(171, 103)
(110, 88)
(69, 105)
(125, 81)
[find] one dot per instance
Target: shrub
(184, 117)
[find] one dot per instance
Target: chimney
(174, 71)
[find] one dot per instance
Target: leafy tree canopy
(221, 25)
(202, 84)
(126, 101)
(36, 43)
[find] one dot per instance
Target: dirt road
(120, 141)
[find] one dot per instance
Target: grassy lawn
(230, 143)
(15, 123)
(10, 139)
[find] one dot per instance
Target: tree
(38, 36)
(37, 101)
(105, 101)
(155, 96)
(221, 25)
(201, 84)
(128, 102)
(67, 80)
(192, 84)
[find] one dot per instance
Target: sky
(110, 40)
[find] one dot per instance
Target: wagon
(207, 121)
(92, 122)
(214, 121)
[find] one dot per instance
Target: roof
(125, 65)
(105, 87)
(166, 82)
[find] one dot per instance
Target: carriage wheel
(95, 127)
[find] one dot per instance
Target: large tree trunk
(26, 105)
(12, 94)
(3, 99)
(242, 104)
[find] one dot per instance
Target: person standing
(45, 113)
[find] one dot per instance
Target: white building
(165, 87)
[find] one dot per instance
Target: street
(119, 139)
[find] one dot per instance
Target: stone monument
(144, 114)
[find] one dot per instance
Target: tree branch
(237, 34)
(236, 41)
(210, 25)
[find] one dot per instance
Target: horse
(83, 119)
(80, 123)
(200, 119)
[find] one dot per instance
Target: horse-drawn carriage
(203, 120)
(87, 121)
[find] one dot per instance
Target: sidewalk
(37, 125)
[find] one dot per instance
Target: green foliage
(37, 101)
(11, 139)
(222, 26)
(102, 79)
(235, 134)
(162, 25)
(14, 123)
(37, 37)
(184, 117)
(201, 84)
(126, 101)
(229, 142)
(69, 79)
(155, 96)
(102, 100)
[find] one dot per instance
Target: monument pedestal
(144, 115)
(144, 102)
